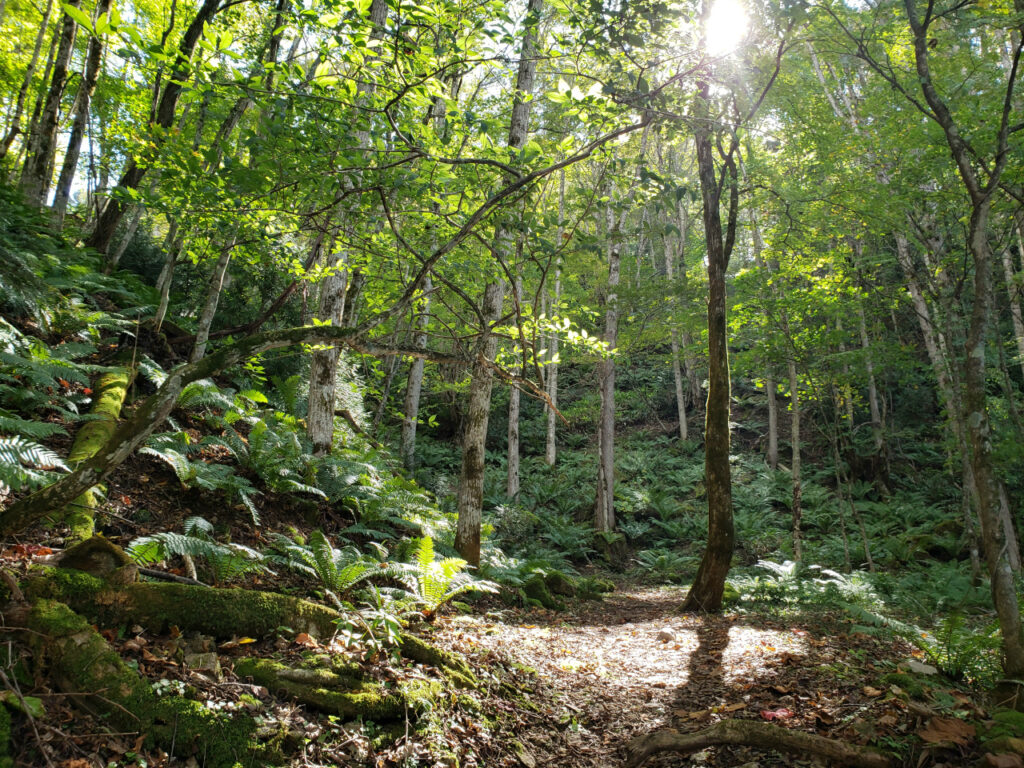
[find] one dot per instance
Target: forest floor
(610, 671)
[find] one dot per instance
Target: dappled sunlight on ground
(749, 648)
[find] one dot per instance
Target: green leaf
(79, 16)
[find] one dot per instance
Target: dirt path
(613, 670)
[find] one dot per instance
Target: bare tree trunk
(129, 235)
(474, 439)
(83, 102)
(471, 478)
(709, 584)
(797, 503)
(413, 389)
(42, 144)
(324, 367)
(512, 475)
(551, 382)
(26, 84)
(604, 505)
(212, 299)
(677, 368)
(772, 454)
(173, 244)
(1013, 290)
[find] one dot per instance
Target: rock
(666, 636)
(524, 755)
(204, 662)
(919, 668)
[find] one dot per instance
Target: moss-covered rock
(78, 659)
(454, 668)
(560, 584)
(536, 590)
(906, 682)
(327, 692)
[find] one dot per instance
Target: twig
(13, 687)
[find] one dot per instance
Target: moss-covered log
(109, 394)
(454, 668)
(335, 694)
(78, 660)
(221, 613)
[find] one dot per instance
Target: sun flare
(726, 27)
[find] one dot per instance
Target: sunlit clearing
(751, 651)
(726, 27)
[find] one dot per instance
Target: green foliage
(664, 566)
(26, 465)
(435, 581)
(338, 570)
(224, 562)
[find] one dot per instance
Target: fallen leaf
(869, 691)
(782, 713)
(303, 639)
(734, 707)
(941, 730)
(1004, 761)
(780, 689)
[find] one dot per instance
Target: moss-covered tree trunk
(109, 396)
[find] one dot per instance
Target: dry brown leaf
(734, 707)
(304, 639)
(947, 729)
(873, 692)
(1004, 761)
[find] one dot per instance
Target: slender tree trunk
(797, 502)
(512, 475)
(677, 367)
(35, 176)
(414, 388)
(173, 244)
(772, 454)
(709, 584)
(1013, 290)
(551, 382)
(83, 102)
(162, 118)
(212, 299)
(126, 239)
(471, 478)
(26, 84)
(604, 506)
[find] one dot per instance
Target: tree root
(754, 734)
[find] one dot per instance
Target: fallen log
(754, 734)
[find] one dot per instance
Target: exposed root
(754, 734)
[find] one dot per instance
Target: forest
(465, 383)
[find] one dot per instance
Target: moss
(110, 391)
(730, 595)
(536, 590)
(454, 668)
(222, 613)
(908, 683)
(215, 739)
(560, 584)
(369, 701)
(79, 659)
(1006, 723)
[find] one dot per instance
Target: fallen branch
(754, 734)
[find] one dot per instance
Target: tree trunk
(772, 454)
(709, 584)
(26, 84)
(1013, 291)
(324, 367)
(162, 118)
(604, 506)
(83, 101)
(35, 173)
(471, 479)
(129, 235)
(414, 388)
(512, 475)
(212, 299)
(677, 368)
(797, 502)
(474, 439)
(551, 381)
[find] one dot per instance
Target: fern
(25, 464)
(225, 562)
(434, 582)
(204, 394)
(338, 570)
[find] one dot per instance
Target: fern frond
(25, 464)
